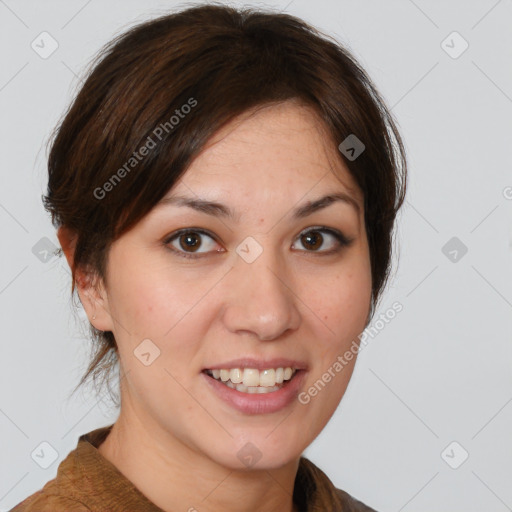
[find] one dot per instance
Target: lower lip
(256, 403)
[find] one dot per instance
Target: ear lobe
(89, 286)
(94, 299)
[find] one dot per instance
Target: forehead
(281, 150)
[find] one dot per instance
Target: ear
(89, 285)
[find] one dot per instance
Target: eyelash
(340, 237)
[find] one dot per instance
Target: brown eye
(187, 243)
(315, 238)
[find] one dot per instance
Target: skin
(174, 438)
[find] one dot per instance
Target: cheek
(342, 303)
(153, 302)
(343, 308)
(165, 306)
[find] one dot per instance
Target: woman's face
(263, 287)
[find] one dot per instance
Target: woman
(225, 186)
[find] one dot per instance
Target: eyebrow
(220, 210)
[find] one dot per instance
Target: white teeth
(235, 375)
(251, 377)
(268, 378)
(251, 380)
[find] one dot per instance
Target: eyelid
(339, 235)
(182, 231)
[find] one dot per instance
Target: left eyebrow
(220, 210)
(323, 202)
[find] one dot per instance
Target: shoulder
(315, 491)
(43, 501)
(69, 490)
(57, 495)
(351, 504)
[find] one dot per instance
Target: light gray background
(439, 372)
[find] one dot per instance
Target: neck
(175, 477)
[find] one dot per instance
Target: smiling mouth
(252, 380)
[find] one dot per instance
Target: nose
(261, 300)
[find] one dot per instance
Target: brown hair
(168, 85)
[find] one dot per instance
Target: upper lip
(259, 364)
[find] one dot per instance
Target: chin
(261, 449)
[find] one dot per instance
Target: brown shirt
(88, 482)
